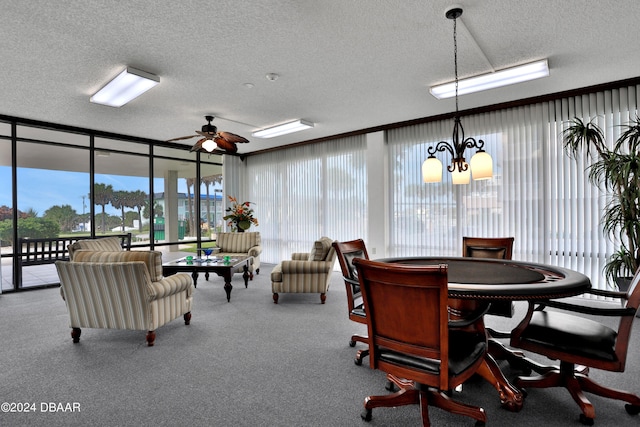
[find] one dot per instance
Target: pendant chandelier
(481, 166)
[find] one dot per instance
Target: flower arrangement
(240, 215)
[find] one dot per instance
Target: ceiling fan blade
(225, 145)
(205, 134)
(232, 137)
(198, 145)
(181, 138)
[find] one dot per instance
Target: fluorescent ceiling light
(508, 76)
(128, 85)
(283, 129)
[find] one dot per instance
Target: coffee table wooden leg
(245, 274)
(194, 275)
(227, 284)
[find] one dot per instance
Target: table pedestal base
(511, 398)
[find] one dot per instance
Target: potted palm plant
(616, 170)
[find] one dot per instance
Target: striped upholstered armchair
(241, 244)
(122, 290)
(305, 271)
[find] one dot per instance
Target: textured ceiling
(345, 65)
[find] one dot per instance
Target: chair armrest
(305, 267)
(597, 311)
(255, 250)
(351, 281)
(610, 294)
(300, 256)
(171, 285)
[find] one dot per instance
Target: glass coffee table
(223, 267)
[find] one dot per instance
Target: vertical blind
(538, 194)
(306, 192)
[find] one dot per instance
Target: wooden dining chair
(346, 252)
(411, 340)
(575, 339)
(496, 248)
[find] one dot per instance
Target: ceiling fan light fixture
(283, 129)
(126, 86)
(508, 76)
(209, 145)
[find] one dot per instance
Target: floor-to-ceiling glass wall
(121, 189)
(6, 207)
(73, 183)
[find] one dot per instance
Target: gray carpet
(244, 363)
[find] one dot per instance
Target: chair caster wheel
(352, 343)
(586, 420)
(357, 361)
(366, 415)
(632, 409)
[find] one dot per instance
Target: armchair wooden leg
(75, 335)
(151, 338)
(187, 318)
(275, 298)
(323, 297)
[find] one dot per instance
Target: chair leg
(187, 318)
(275, 298)
(591, 386)
(440, 400)
(408, 394)
(424, 410)
(403, 397)
(576, 384)
(358, 338)
(360, 354)
(323, 297)
(151, 338)
(75, 335)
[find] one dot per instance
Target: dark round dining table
(474, 282)
(498, 279)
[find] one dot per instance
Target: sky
(39, 189)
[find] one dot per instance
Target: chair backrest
(346, 253)
(407, 317)
(633, 294)
(238, 242)
(626, 322)
(487, 247)
(152, 259)
(109, 244)
(322, 250)
(106, 294)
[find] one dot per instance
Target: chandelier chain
(455, 57)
